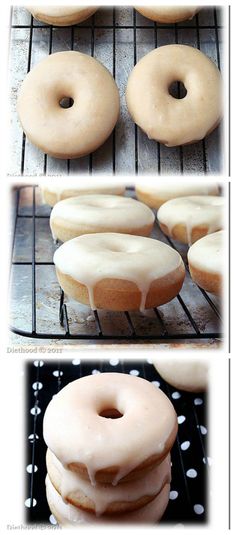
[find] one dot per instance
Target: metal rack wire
(192, 315)
(188, 499)
(119, 45)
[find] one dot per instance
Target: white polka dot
(198, 509)
(32, 438)
(94, 372)
(207, 460)
(114, 362)
(37, 386)
(29, 468)
(149, 361)
(76, 362)
(38, 363)
(185, 445)
(134, 372)
(198, 401)
(176, 395)
(35, 411)
(192, 473)
(202, 429)
(57, 373)
(173, 494)
(156, 383)
(52, 520)
(181, 419)
(28, 502)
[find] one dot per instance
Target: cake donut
(68, 515)
(156, 195)
(173, 121)
(53, 193)
(187, 219)
(189, 375)
(107, 499)
(80, 129)
(88, 214)
(91, 415)
(205, 259)
(119, 271)
(168, 14)
(61, 15)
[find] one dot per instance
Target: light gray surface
(124, 61)
(80, 317)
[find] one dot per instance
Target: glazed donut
(205, 260)
(156, 195)
(80, 129)
(61, 15)
(53, 193)
(170, 120)
(107, 499)
(100, 213)
(79, 430)
(67, 515)
(187, 219)
(168, 14)
(119, 271)
(189, 375)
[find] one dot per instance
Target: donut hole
(66, 102)
(111, 413)
(177, 90)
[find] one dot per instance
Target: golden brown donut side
(65, 230)
(179, 232)
(210, 282)
(121, 295)
(84, 502)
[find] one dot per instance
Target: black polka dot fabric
(189, 456)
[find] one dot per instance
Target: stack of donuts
(109, 438)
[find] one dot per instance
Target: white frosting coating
(103, 495)
(168, 13)
(169, 120)
(172, 190)
(93, 257)
(193, 211)
(68, 514)
(106, 211)
(75, 433)
(73, 189)
(207, 253)
(189, 375)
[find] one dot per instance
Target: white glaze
(189, 375)
(207, 254)
(193, 211)
(103, 495)
(73, 189)
(172, 190)
(75, 433)
(93, 257)
(106, 211)
(70, 515)
(162, 117)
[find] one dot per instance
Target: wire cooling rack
(118, 37)
(190, 463)
(40, 310)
